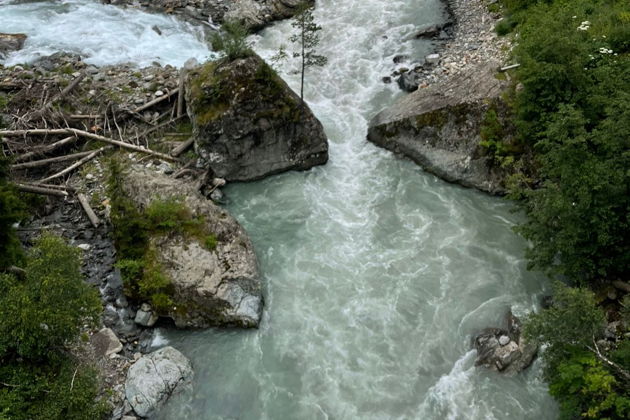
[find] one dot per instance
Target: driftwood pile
(45, 137)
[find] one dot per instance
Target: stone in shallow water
(154, 377)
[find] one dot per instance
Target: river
(376, 274)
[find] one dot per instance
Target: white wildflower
(604, 50)
(584, 26)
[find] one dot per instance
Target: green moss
(216, 87)
(436, 119)
(210, 242)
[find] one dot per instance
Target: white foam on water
(102, 34)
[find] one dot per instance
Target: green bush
(49, 306)
(40, 315)
(582, 384)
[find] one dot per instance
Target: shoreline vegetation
(570, 105)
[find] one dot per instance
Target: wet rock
(10, 43)
(154, 378)
(428, 31)
(497, 351)
(248, 123)
(146, 316)
(387, 79)
(105, 343)
(216, 285)
(408, 81)
(400, 58)
(439, 128)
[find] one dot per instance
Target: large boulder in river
(10, 43)
(210, 284)
(248, 123)
(504, 349)
(154, 378)
(256, 14)
(440, 128)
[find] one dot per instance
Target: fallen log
(39, 190)
(44, 162)
(182, 147)
(155, 101)
(88, 135)
(47, 149)
(76, 164)
(622, 285)
(88, 210)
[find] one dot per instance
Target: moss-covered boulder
(440, 128)
(248, 123)
(197, 264)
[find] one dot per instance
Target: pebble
(159, 93)
(84, 247)
(504, 339)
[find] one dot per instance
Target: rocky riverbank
(439, 125)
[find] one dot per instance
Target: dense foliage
(572, 112)
(41, 314)
(232, 41)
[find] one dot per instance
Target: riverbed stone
(105, 343)
(154, 378)
(248, 123)
(146, 316)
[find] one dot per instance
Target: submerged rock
(10, 43)
(154, 378)
(440, 128)
(210, 285)
(248, 123)
(504, 350)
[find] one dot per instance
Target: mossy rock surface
(248, 123)
(200, 266)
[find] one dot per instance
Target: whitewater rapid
(376, 274)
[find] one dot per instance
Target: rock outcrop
(248, 123)
(503, 349)
(218, 286)
(10, 43)
(440, 128)
(154, 378)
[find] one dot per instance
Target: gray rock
(154, 378)
(432, 59)
(219, 286)
(146, 316)
(105, 343)
(409, 81)
(248, 123)
(10, 43)
(497, 351)
(439, 128)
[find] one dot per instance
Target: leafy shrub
(40, 315)
(504, 26)
(49, 306)
(583, 386)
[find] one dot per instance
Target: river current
(376, 274)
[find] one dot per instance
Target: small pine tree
(307, 40)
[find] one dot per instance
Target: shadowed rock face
(439, 128)
(210, 287)
(248, 123)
